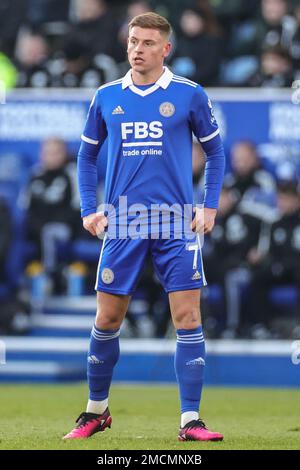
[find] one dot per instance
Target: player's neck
(148, 78)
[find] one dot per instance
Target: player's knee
(106, 320)
(107, 323)
(187, 318)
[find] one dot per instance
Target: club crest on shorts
(167, 109)
(107, 276)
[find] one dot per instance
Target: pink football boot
(197, 431)
(89, 424)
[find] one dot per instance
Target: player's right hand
(95, 223)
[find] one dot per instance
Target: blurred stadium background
(53, 55)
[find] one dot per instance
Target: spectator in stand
(295, 43)
(12, 13)
(234, 235)
(97, 28)
(9, 298)
(45, 11)
(5, 236)
(248, 41)
(51, 207)
(199, 47)
(76, 68)
(279, 265)
(275, 27)
(276, 69)
(14, 305)
(231, 12)
(208, 10)
(135, 8)
(247, 172)
(31, 61)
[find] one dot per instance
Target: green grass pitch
(146, 417)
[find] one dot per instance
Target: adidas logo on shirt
(196, 276)
(118, 110)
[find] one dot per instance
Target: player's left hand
(204, 220)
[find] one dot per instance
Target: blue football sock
(189, 367)
(103, 355)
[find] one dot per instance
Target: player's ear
(167, 49)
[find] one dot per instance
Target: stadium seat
(214, 294)
(238, 70)
(85, 250)
(284, 296)
(4, 291)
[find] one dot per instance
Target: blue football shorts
(177, 263)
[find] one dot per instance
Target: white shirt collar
(163, 81)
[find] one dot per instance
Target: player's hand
(204, 220)
(95, 223)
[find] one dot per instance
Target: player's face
(147, 49)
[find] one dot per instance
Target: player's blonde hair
(152, 21)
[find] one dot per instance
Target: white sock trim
(97, 407)
(188, 416)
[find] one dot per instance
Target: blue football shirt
(149, 140)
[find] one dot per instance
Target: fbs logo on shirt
(142, 130)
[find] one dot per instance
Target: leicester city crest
(107, 276)
(167, 109)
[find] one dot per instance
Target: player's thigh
(120, 265)
(185, 308)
